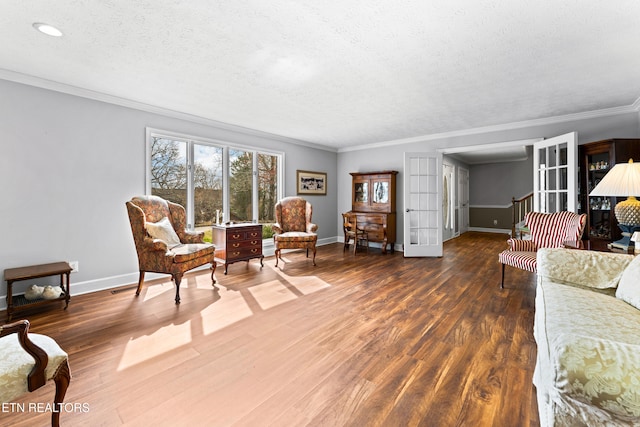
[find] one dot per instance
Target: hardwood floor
(365, 340)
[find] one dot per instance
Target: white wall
(69, 164)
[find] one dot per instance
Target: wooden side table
(19, 302)
(238, 242)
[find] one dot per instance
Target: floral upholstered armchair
(550, 230)
(293, 228)
(163, 243)
(28, 361)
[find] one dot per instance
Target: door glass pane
(380, 192)
(267, 192)
(362, 192)
(552, 202)
(563, 179)
(207, 187)
(563, 201)
(552, 155)
(542, 152)
(240, 185)
(563, 155)
(169, 170)
(551, 179)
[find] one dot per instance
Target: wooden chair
(28, 362)
(174, 250)
(547, 231)
(353, 232)
(293, 227)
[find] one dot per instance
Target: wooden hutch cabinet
(373, 201)
(595, 160)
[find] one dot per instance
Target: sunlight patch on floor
(231, 308)
(305, 284)
(152, 291)
(163, 340)
(271, 294)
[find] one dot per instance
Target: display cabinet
(373, 201)
(595, 160)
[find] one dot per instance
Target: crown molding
(123, 102)
(635, 107)
(128, 103)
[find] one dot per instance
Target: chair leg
(177, 278)
(314, 255)
(62, 378)
(213, 272)
(140, 280)
(502, 281)
(277, 256)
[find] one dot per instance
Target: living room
(72, 157)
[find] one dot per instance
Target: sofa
(587, 329)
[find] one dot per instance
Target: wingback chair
(293, 228)
(28, 362)
(551, 230)
(163, 243)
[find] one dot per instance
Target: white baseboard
(105, 283)
(491, 230)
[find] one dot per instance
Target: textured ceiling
(338, 73)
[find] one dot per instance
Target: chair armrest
(192, 236)
(277, 228)
(311, 227)
(592, 269)
(154, 244)
(522, 245)
(36, 377)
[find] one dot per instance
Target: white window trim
(151, 133)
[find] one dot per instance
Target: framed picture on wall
(311, 182)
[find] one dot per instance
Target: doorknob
(410, 210)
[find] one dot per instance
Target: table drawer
(233, 245)
(244, 252)
(372, 219)
(251, 234)
(374, 231)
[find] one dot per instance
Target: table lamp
(623, 180)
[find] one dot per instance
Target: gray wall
(69, 163)
(391, 155)
(68, 166)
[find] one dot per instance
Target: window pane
(169, 170)
(240, 185)
(267, 192)
(207, 185)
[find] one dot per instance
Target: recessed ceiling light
(47, 29)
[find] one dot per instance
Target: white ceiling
(336, 73)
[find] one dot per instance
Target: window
(214, 181)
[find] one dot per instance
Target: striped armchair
(547, 231)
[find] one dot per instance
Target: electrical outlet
(74, 266)
(495, 222)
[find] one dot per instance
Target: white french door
(422, 204)
(555, 174)
(463, 200)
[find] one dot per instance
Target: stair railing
(520, 207)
